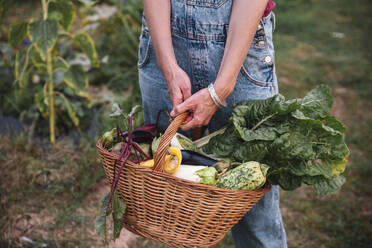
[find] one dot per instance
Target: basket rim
(102, 150)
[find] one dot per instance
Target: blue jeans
(199, 30)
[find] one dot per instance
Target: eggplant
(194, 158)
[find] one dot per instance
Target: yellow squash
(171, 163)
(147, 163)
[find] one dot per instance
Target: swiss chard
(300, 141)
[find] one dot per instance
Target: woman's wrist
(224, 87)
(168, 67)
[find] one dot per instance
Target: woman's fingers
(189, 125)
(186, 87)
(183, 107)
(202, 107)
(176, 96)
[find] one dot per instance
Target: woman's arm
(244, 19)
(158, 20)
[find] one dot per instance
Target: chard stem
(263, 120)
(116, 179)
(138, 148)
(204, 140)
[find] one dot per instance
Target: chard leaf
(263, 133)
(285, 180)
(332, 148)
(155, 144)
(116, 111)
(100, 220)
(325, 186)
(318, 102)
(253, 110)
(338, 167)
(335, 124)
(136, 109)
(250, 151)
(298, 139)
(293, 145)
(321, 123)
(283, 107)
(119, 207)
(186, 143)
(222, 144)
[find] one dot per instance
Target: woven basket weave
(174, 211)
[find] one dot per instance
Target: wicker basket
(174, 211)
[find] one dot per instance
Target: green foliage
(4, 6)
(119, 34)
(86, 44)
(63, 11)
(118, 209)
(297, 138)
(100, 220)
(88, 2)
(17, 33)
(21, 63)
(121, 117)
(58, 81)
(71, 110)
(43, 35)
(76, 79)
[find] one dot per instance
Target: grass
(51, 195)
(308, 53)
(44, 191)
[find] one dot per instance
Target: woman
(204, 56)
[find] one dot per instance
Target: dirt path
(90, 210)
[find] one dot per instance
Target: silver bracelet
(214, 97)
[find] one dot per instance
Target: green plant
(117, 37)
(61, 80)
(297, 138)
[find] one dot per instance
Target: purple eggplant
(194, 158)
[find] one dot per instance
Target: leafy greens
(300, 141)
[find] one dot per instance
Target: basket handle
(166, 140)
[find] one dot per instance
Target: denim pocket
(206, 3)
(258, 66)
(143, 49)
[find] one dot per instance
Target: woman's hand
(202, 107)
(178, 84)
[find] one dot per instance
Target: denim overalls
(199, 30)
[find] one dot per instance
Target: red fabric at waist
(270, 6)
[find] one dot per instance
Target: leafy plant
(117, 37)
(112, 202)
(297, 138)
(62, 80)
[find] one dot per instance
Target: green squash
(247, 176)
